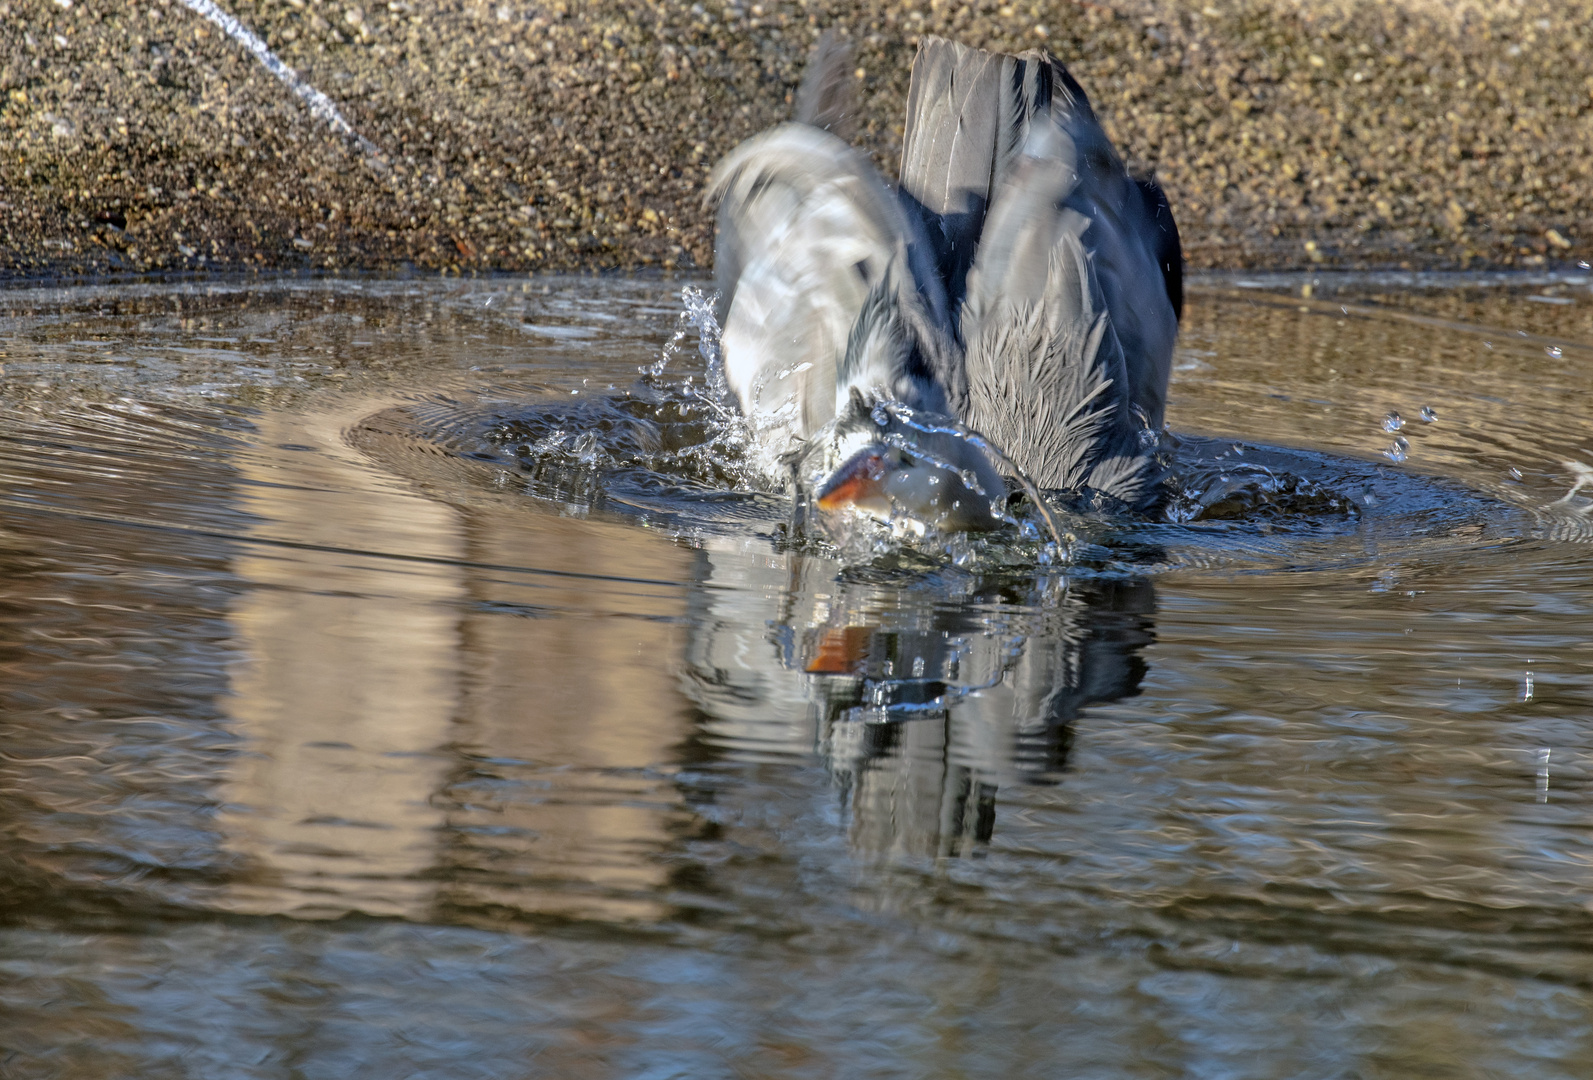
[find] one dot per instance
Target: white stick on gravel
(321, 107)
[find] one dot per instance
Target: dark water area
(394, 682)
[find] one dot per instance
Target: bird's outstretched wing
(1048, 379)
(1064, 272)
(970, 115)
(1133, 245)
(810, 239)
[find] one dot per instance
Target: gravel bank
(505, 135)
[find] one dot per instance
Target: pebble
(578, 136)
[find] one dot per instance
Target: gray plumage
(1049, 379)
(1020, 281)
(968, 114)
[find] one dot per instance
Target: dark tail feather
(826, 99)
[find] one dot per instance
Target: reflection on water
(432, 740)
(561, 801)
(347, 682)
(923, 701)
(335, 740)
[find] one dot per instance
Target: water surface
(396, 684)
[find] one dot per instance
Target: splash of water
(697, 316)
(321, 107)
(727, 436)
(1250, 492)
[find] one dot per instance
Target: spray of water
(321, 107)
(696, 316)
(724, 449)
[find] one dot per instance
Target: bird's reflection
(923, 697)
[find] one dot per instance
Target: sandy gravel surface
(501, 134)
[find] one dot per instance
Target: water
(385, 695)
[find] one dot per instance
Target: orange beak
(858, 479)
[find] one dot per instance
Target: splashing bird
(1008, 311)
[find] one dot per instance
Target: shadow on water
(361, 716)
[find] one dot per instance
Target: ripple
(665, 455)
(464, 682)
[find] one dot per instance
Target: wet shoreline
(520, 137)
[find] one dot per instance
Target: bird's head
(899, 467)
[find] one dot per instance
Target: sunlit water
(398, 682)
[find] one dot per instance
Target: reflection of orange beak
(857, 480)
(840, 650)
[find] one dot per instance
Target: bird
(1007, 311)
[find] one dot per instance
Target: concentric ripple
(667, 454)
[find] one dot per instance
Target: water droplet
(1487, 344)
(1393, 422)
(1428, 414)
(1515, 473)
(1398, 451)
(1527, 688)
(1554, 351)
(1582, 264)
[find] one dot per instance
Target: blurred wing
(810, 239)
(827, 98)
